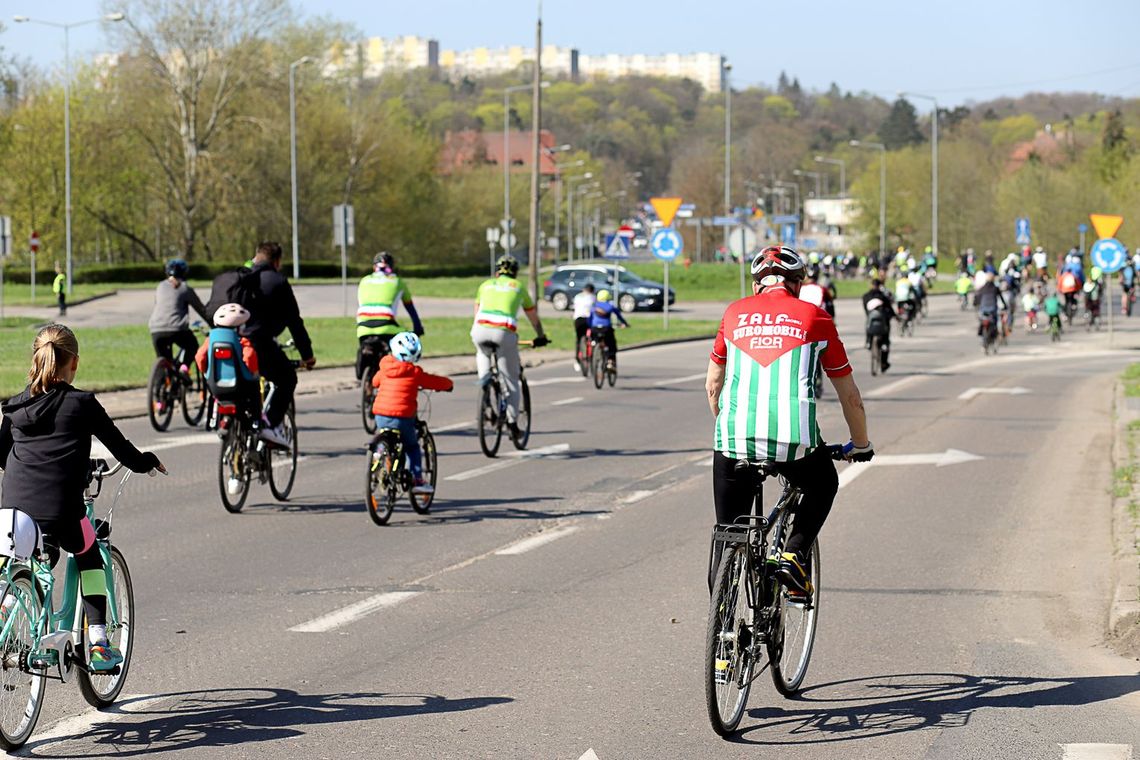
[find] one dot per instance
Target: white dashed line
(514, 458)
(453, 426)
(553, 380)
(1096, 752)
(354, 612)
(541, 539)
(565, 401)
(637, 496)
(679, 380)
(99, 451)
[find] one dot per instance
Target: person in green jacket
(59, 287)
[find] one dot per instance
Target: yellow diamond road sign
(665, 208)
(1106, 225)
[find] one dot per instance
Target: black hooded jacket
(45, 450)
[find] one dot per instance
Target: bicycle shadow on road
(231, 717)
(864, 708)
(463, 511)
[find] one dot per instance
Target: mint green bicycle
(37, 642)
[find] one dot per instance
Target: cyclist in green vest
(378, 299)
(496, 324)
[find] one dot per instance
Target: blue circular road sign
(1109, 254)
(666, 244)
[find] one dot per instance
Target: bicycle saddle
(765, 467)
(489, 346)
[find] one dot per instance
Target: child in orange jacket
(399, 380)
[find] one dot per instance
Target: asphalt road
(555, 604)
(133, 307)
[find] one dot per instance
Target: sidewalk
(1124, 614)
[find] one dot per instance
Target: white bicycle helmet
(776, 264)
(231, 315)
(406, 347)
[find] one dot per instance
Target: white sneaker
(577, 367)
(233, 486)
(278, 436)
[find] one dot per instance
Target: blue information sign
(1109, 254)
(1021, 230)
(666, 244)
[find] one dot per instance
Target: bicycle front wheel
(598, 366)
(421, 502)
(876, 356)
(790, 649)
(21, 692)
(380, 466)
(523, 421)
(283, 462)
(159, 399)
(101, 690)
(728, 661)
(367, 396)
(583, 356)
(233, 474)
(194, 397)
(490, 424)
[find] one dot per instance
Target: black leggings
(734, 491)
(164, 344)
(67, 534)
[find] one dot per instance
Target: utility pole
(535, 254)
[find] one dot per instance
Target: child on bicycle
(601, 322)
(399, 380)
(1052, 307)
(45, 450)
(230, 315)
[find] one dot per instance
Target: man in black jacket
(273, 309)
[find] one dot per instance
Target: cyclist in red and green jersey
(761, 390)
(496, 323)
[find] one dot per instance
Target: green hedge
(149, 272)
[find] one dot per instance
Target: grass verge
(121, 357)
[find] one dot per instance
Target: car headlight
(647, 291)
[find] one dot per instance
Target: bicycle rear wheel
(367, 396)
(611, 372)
(194, 397)
(283, 462)
(522, 422)
(101, 690)
(490, 425)
(790, 648)
(583, 356)
(233, 474)
(377, 490)
(159, 398)
(876, 355)
(421, 502)
(598, 365)
(728, 664)
(21, 692)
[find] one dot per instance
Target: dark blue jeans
(407, 428)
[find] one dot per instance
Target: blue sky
(957, 51)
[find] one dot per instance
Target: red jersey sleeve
(719, 353)
(834, 358)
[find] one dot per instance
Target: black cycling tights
(734, 491)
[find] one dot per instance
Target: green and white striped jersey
(771, 345)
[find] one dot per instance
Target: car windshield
(629, 278)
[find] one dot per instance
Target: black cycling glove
(541, 341)
(853, 453)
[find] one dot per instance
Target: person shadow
(865, 708)
(215, 718)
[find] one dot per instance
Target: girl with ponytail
(45, 452)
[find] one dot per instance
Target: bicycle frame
(57, 635)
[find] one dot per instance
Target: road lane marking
(454, 426)
(1096, 752)
(354, 612)
(565, 401)
(679, 380)
(589, 755)
(852, 471)
(78, 726)
(99, 451)
(970, 393)
(637, 496)
(553, 380)
(515, 458)
(535, 541)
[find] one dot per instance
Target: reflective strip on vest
(375, 311)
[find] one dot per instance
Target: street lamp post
(558, 194)
(507, 152)
(882, 188)
(67, 27)
(842, 172)
(570, 213)
(726, 71)
(293, 156)
(933, 166)
(816, 175)
(796, 192)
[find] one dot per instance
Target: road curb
(1124, 612)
